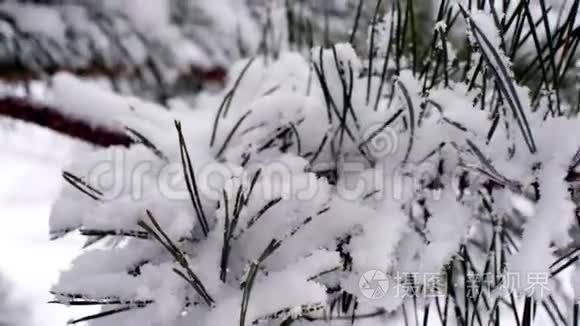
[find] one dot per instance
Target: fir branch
(82, 186)
(503, 79)
(191, 183)
(165, 241)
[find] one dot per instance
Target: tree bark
(48, 117)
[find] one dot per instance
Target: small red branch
(48, 117)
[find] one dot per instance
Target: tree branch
(48, 117)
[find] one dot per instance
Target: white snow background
(31, 160)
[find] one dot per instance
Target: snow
(390, 225)
(383, 33)
(36, 19)
(148, 17)
(287, 122)
(125, 35)
(30, 181)
(92, 103)
(270, 97)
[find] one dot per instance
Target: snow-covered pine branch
(45, 116)
(84, 110)
(152, 51)
(161, 47)
(272, 201)
(153, 47)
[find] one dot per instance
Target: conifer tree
(411, 165)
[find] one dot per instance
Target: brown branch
(14, 73)
(49, 117)
(572, 176)
(45, 116)
(216, 75)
